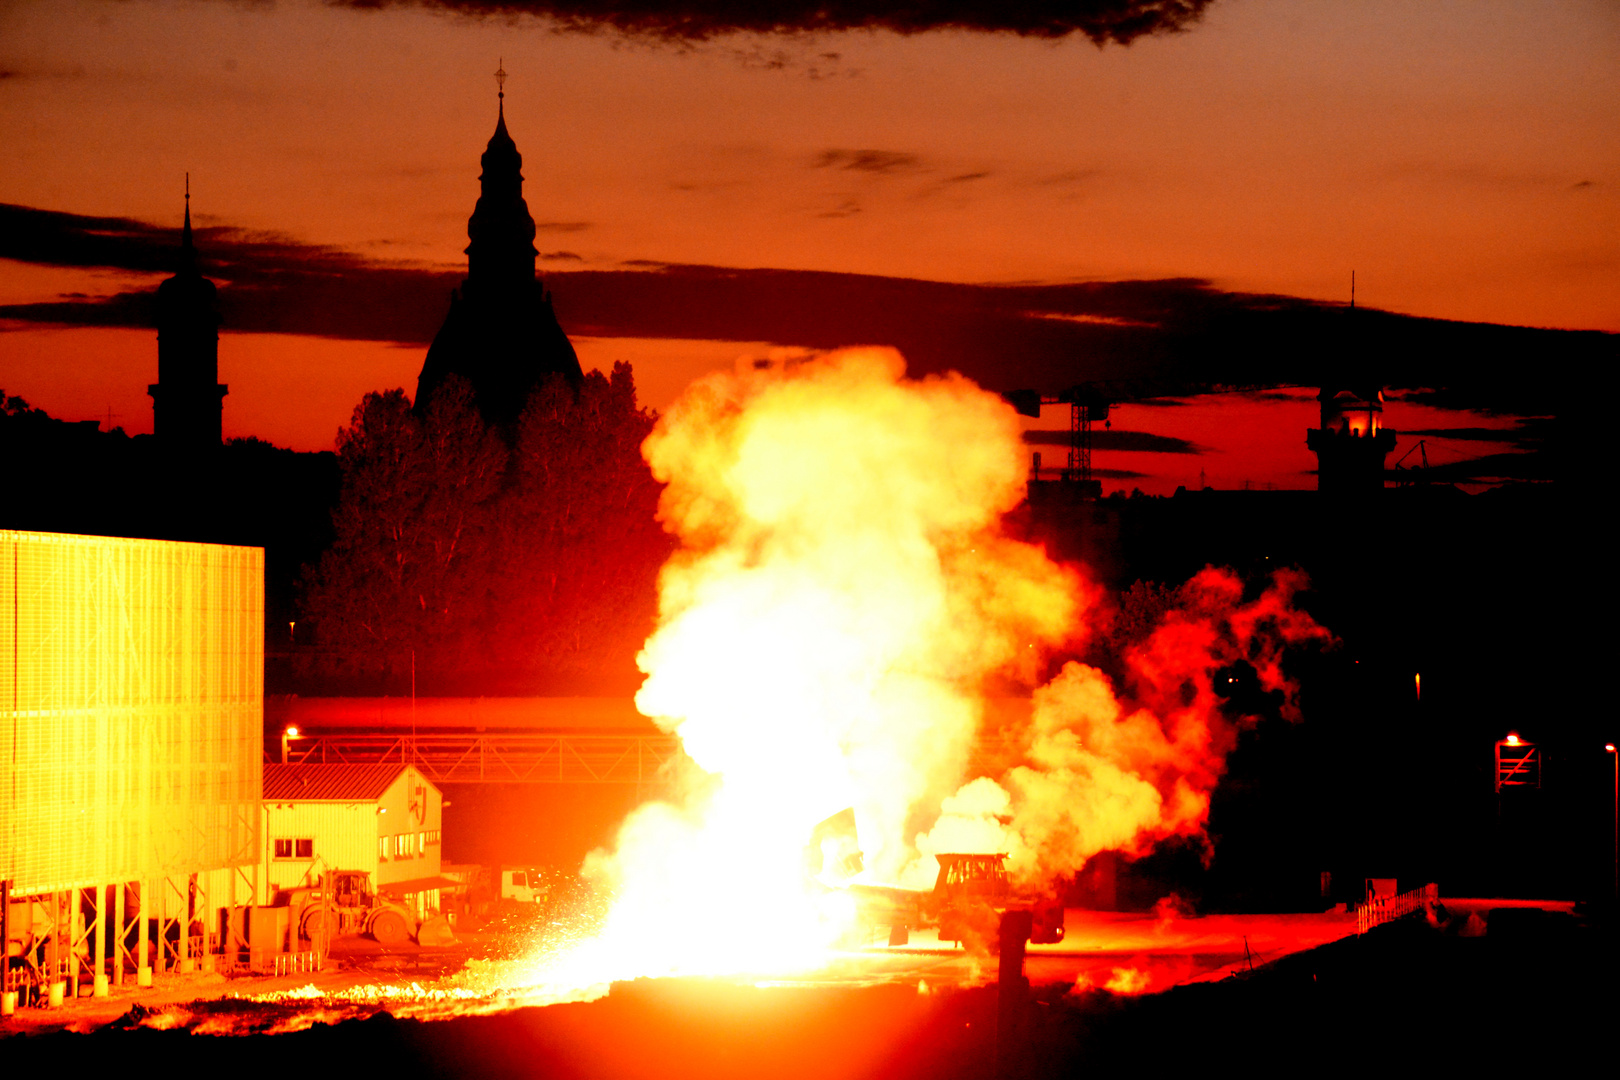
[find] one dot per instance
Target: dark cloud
(1100, 21)
(268, 282)
(562, 256)
(1468, 434)
(871, 161)
(561, 226)
(847, 208)
(1114, 439)
(1146, 340)
(1494, 468)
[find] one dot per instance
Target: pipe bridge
(502, 758)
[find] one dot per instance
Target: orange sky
(1461, 157)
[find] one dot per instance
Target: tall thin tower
(188, 398)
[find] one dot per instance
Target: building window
(382, 848)
(421, 842)
(432, 836)
(297, 848)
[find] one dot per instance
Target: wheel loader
(344, 903)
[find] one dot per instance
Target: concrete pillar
(143, 960)
(8, 997)
(53, 951)
(1012, 990)
(73, 902)
(98, 985)
(187, 964)
(209, 917)
(118, 934)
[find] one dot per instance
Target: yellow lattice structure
(131, 703)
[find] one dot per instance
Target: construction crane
(1422, 471)
(1086, 404)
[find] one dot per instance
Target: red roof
(329, 783)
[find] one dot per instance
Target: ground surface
(1537, 989)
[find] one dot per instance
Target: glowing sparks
(842, 593)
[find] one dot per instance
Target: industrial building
(131, 702)
(385, 820)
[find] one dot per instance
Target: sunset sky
(1462, 158)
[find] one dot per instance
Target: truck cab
(523, 884)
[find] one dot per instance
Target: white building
(383, 819)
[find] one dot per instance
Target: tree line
(492, 559)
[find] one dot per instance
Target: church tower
(501, 334)
(188, 397)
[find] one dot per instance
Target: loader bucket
(435, 932)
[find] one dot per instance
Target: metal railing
(294, 963)
(511, 758)
(1383, 909)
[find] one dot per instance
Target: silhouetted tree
(507, 560)
(582, 542)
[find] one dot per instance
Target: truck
(344, 903)
(970, 894)
(525, 884)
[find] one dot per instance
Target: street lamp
(1615, 759)
(287, 736)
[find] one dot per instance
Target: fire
(842, 592)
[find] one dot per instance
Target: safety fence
(1383, 909)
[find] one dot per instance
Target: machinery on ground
(968, 899)
(970, 895)
(344, 903)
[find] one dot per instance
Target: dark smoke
(1102, 21)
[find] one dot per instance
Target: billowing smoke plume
(1104, 773)
(842, 594)
(1102, 21)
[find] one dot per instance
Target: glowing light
(842, 596)
(292, 733)
(1609, 747)
(1512, 739)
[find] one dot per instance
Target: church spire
(188, 252)
(501, 333)
(501, 253)
(187, 398)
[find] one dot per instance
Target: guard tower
(1352, 442)
(188, 398)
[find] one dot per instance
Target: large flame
(842, 593)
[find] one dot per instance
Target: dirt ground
(1536, 991)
